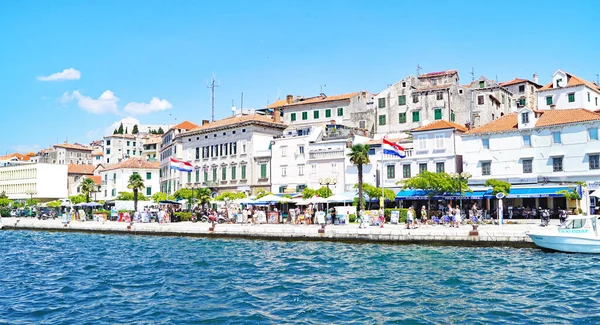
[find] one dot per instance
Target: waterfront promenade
(513, 235)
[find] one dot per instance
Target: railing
(326, 154)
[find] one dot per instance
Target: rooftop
(518, 81)
(97, 179)
(547, 118)
(74, 146)
(438, 74)
(239, 119)
(311, 100)
(81, 169)
(440, 125)
(20, 157)
(185, 125)
(134, 163)
(572, 81)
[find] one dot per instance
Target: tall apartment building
(65, 154)
(171, 146)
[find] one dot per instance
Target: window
(283, 171)
(556, 137)
(205, 175)
(486, 167)
(527, 141)
(422, 143)
(315, 114)
(596, 101)
(283, 151)
(439, 95)
(422, 167)
(439, 141)
(405, 171)
(301, 150)
(148, 175)
(527, 166)
(391, 171)
(148, 191)
(452, 116)
(402, 100)
(197, 152)
(362, 124)
(108, 151)
(197, 175)
(371, 151)
(381, 102)
(128, 152)
(571, 97)
(304, 116)
(189, 177)
(382, 120)
(482, 84)
(134, 152)
(503, 98)
(439, 167)
(524, 118)
(334, 168)
(233, 173)
(485, 143)
(313, 168)
(263, 170)
(415, 98)
(340, 111)
(438, 114)
(557, 164)
(548, 100)
(589, 98)
(522, 88)
(108, 142)
(301, 170)
(224, 173)
(522, 102)
(293, 117)
(214, 174)
(403, 84)
(594, 161)
(480, 100)
(415, 116)
(113, 192)
(593, 133)
(402, 118)
(328, 112)
(243, 171)
(134, 143)
(128, 143)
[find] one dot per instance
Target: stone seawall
(488, 235)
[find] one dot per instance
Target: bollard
(322, 230)
(474, 232)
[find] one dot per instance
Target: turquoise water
(65, 278)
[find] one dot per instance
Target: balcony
(335, 131)
(326, 154)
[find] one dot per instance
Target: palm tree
(136, 183)
(88, 186)
(359, 156)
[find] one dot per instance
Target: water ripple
(64, 278)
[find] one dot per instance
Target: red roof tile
(311, 100)
(438, 73)
(441, 124)
(74, 146)
(237, 120)
(185, 125)
(81, 169)
(134, 163)
(572, 81)
(97, 179)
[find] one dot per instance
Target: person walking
(423, 215)
(410, 217)
(457, 216)
(361, 219)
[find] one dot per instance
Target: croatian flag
(391, 148)
(181, 165)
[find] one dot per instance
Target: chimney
(535, 78)
(277, 114)
(289, 99)
(204, 122)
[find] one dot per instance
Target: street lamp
(191, 186)
(327, 182)
(31, 193)
(464, 176)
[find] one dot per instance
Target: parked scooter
(545, 216)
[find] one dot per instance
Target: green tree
(160, 131)
(32, 202)
(88, 186)
(76, 199)
(54, 204)
(160, 196)
(203, 195)
(324, 192)
(573, 195)
(432, 184)
(359, 156)
(115, 131)
(3, 195)
(261, 192)
(371, 192)
(230, 196)
(498, 186)
(126, 132)
(120, 130)
(287, 196)
(183, 194)
(307, 193)
(5, 202)
(17, 204)
(135, 183)
(135, 130)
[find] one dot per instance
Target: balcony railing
(326, 154)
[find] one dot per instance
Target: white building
(115, 178)
(539, 152)
(232, 154)
(171, 147)
(65, 154)
(354, 110)
(118, 147)
(567, 91)
(45, 182)
(97, 193)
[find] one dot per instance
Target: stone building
(524, 92)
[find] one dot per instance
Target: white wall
(122, 179)
(560, 98)
(49, 181)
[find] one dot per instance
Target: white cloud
(106, 103)
(66, 74)
(128, 122)
(25, 148)
(94, 134)
(155, 105)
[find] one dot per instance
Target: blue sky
(140, 50)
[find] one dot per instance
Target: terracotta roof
(97, 153)
(128, 136)
(80, 169)
(548, 118)
(74, 146)
(134, 163)
(572, 81)
(439, 125)
(153, 140)
(436, 87)
(185, 125)
(518, 81)
(236, 120)
(438, 73)
(379, 141)
(97, 179)
(311, 100)
(17, 155)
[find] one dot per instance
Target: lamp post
(31, 193)
(191, 186)
(464, 176)
(327, 182)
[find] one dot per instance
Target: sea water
(71, 278)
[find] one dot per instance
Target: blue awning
(475, 195)
(411, 195)
(533, 192)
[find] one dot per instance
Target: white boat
(579, 234)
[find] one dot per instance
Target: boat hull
(567, 244)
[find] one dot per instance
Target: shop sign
(593, 184)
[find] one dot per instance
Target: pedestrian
(361, 218)
(457, 216)
(423, 215)
(245, 215)
(410, 216)
(381, 218)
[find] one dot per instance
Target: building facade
(115, 178)
(45, 182)
(76, 172)
(489, 101)
(524, 92)
(567, 91)
(171, 146)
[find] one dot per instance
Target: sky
(70, 69)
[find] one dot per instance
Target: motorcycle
(545, 216)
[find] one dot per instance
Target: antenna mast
(472, 73)
(419, 70)
(212, 95)
(597, 79)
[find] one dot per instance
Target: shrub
(184, 216)
(352, 217)
(388, 212)
(5, 213)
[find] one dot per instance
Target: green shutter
(481, 84)
(571, 97)
(340, 111)
(205, 176)
(381, 102)
(402, 100)
(549, 100)
(189, 177)
(328, 112)
(381, 119)
(304, 115)
(233, 170)
(243, 171)
(452, 117)
(214, 174)
(293, 117)
(224, 173)
(438, 114)
(316, 115)
(415, 116)
(197, 175)
(402, 118)
(263, 171)
(148, 175)
(148, 191)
